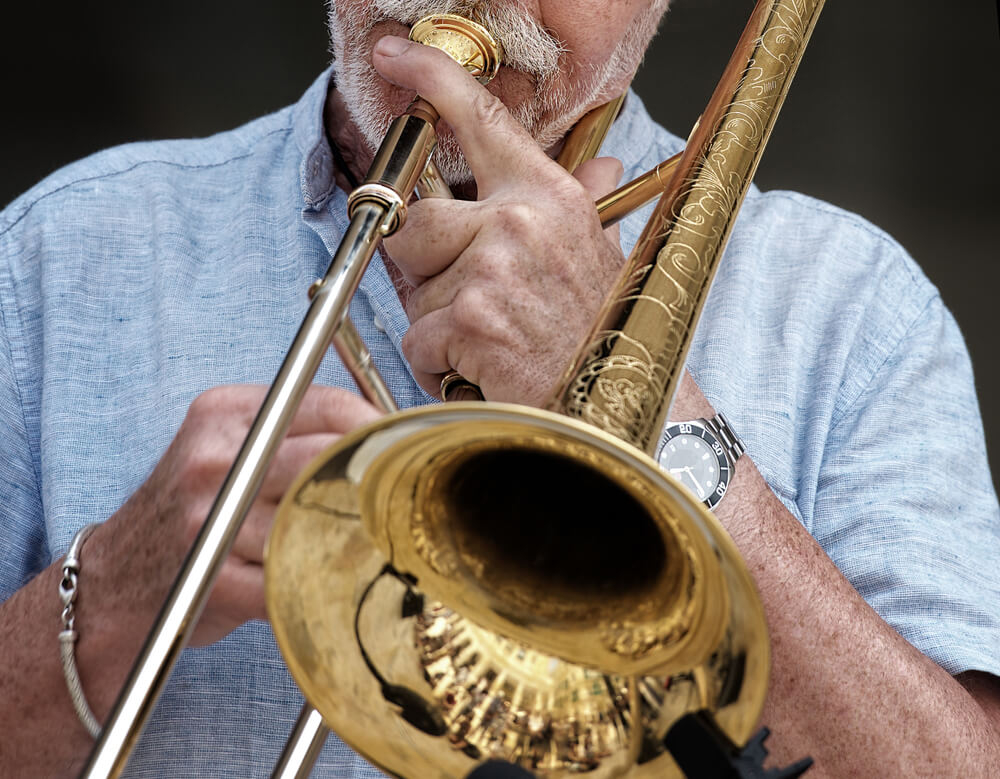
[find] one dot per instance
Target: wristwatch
(702, 456)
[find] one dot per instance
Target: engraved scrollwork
(682, 248)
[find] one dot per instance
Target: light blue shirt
(137, 278)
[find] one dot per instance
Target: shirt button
(379, 324)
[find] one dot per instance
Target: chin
(373, 103)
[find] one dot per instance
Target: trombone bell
(540, 637)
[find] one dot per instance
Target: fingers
(225, 413)
(294, 454)
(292, 458)
(242, 590)
(600, 176)
(177, 497)
(497, 147)
(435, 233)
(214, 430)
(438, 231)
(331, 410)
(462, 336)
(426, 349)
(238, 596)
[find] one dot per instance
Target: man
(143, 290)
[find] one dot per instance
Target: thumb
(601, 176)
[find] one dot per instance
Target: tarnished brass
(474, 581)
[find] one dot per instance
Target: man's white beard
(547, 115)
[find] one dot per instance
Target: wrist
(114, 611)
(689, 402)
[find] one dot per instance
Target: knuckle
(574, 197)
(200, 469)
(488, 110)
(479, 265)
(205, 405)
(221, 401)
(417, 344)
(470, 309)
(516, 217)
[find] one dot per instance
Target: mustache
(528, 46)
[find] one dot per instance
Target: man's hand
(129, 563)
(509, 285)
(158, 524)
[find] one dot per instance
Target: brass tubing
(175, 623)
(615, 206)
(303, 746)
(404, 153)
(432, 183)
(398, 164)
(624, 377)
(584, 141)
(357, 359)
(394, 491)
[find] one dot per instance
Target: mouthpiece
(470, 44)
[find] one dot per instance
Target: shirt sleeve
(905, 505)
(23, 549)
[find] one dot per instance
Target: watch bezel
(716, 447)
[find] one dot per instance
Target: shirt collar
(316, 174)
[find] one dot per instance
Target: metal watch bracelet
(734, 447)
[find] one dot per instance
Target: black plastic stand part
(703, 751)
(498, 769)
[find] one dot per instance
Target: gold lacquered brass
(547, 561)
(624, 380)
(588, 134)
(616, 205)
(470, 44)
(471, 581)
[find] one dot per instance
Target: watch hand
(695, 482)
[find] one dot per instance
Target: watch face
(694, 457)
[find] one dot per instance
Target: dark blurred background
(893, 115)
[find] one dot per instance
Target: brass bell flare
(559, 624)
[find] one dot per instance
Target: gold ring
(454, 386)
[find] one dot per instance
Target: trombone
(494, 656)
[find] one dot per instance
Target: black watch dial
(694, 456)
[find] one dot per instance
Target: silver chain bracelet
(68, 636)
